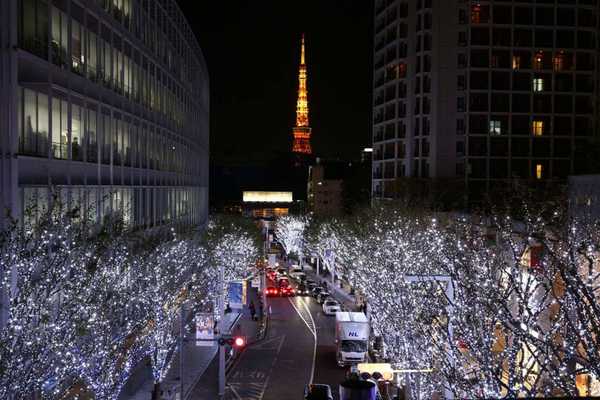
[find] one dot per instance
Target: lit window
(538, 128)
(559, 62)
(495, 127)
(476, 14)
(538, 171)
(516, 62)
(538, 60)
(538, 84)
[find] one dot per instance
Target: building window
(460, 126)
(34, 27)
(537, 128)
(495, 127)
(538, 61)
(558, 62)
(538, 85)
(516, 62)
(538, 171)
(476, 14)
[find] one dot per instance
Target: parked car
(317, 391)
(299, 277)
(315, 291)
(287, 291)
(272, 291)
(322, 296)
(330, 307)
(302, 290)
(295, 269)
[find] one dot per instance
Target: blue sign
(236, 294)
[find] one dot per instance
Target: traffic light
(239, 341)
(235, 341)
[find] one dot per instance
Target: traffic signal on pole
(235, 341)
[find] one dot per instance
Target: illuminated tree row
(83, 305)
(488, 307)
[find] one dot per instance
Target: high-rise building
(302, 129)
(105, 104)
(482, 92)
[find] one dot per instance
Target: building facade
(325, 188)
(483, 92)
(105, 105)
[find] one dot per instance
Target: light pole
(221, 321)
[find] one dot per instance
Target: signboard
(236, 294)
(272, 259)
(267, 197)
(205, 334)
(256, 281)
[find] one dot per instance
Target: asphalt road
(279, 366)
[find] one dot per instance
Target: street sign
(205, 323)
(236, 294)
(256, 281)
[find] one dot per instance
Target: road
(282, 364)
(279, 366)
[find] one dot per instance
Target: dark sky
(252, 51)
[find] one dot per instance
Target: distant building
(108, 103)
(482, 92)
(584, 196)
(266, 204)
(325, 188)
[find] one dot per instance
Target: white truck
(351, 337)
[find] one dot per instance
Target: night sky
(252, 52)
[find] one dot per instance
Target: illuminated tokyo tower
(302, 131)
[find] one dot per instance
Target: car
(299, 277)
(272, 291)
(310, 284)
(317, 391)
(281, 272)
(271, 275)
(281, 282)
(322, 296)
(287, 291)
(302, 290)
(330, 307)
(315, 291)
(295, 269)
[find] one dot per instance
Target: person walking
(252, 310)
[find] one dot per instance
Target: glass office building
(105, 104)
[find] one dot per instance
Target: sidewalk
(200, 366)
(206, 387)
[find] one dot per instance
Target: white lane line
(262, 393)
(312, 330)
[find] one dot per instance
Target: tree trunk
(156, 391)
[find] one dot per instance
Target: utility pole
(181, 352)
(221, 321)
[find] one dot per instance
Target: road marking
(254, 390)
(262, 393)
(312, 329)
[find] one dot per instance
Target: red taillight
(239, 341)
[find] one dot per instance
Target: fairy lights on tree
(290, 230)
(85, 304)
(524, 318)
